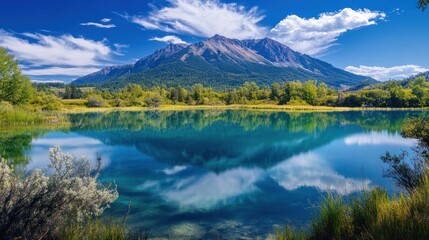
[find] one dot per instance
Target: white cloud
(314, 36)
(169, 39)
(51, 50)
(105, 20)
(65, 55)
(387, 73)
(99, 25)
(66, 71)
(48, 81)
(204, 19)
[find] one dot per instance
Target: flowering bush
(40, 205)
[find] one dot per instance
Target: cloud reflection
(207, 190)
(310, 170)
(71, 143)
(174, 170)
(378, 138)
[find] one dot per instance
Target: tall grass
(22, 115)
(97, 229)
(372, 215)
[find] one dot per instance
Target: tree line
(392, 94)
(18, 90)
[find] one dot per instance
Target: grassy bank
(24, 115)
(79, 106)
(372, 215)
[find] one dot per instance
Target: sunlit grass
(16, 115)
(79, 106)
(106, 229)
(373, 215)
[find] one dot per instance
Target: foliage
(40, 205)
(72, 92)
(409, 173)
(413, 93)
(26, 115)
(422, 4)
(46, 102)
(14, 87)
(96, 100)
(153, 100)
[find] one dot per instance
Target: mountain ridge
(222, 62)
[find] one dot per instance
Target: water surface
(228, 174)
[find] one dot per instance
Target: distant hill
(221, 62)
(404, 82)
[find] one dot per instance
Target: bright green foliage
(419, 88)
(275, 92)
(24, 115)
(14, 87)
(392, 94)
(292, 91)
(96, 100)
(309, 92)
(46, 102)
(177, 94)
(153, 100)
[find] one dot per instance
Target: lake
(229, 174)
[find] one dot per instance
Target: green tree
(250, 90)
(309, 92)
(14, 87)
(410, 173)
(275, 92)
(422, 4)
(419, 87)
(292, 91)
(322, 90)
(67, 92)
(197, 93)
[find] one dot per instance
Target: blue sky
(61, 40)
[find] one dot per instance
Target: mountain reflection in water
(223, 173)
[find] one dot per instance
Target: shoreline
(258, 107)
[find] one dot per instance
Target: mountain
(221, 62)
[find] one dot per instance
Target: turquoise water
(224, 174)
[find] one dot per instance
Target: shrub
(5, 106)
(46, 102)
(95, 100)
(407, 175)
(154, 100)
(40, 205)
